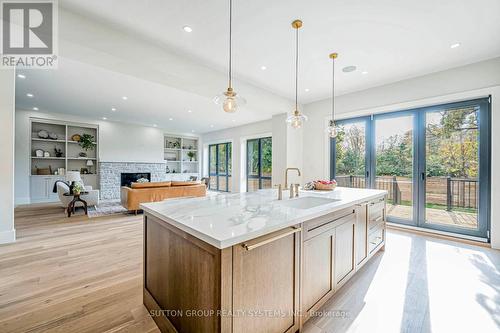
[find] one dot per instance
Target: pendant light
(229, 99)
(297, 118)
(332, 129)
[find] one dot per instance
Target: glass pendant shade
(297, 119)
(230, 101)
(332, 130)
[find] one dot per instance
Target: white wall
(118, 142)
(468, 82)
(238, 137)
(287, 149)
(7, 93)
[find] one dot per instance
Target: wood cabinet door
(361, 233)
(318, 280)
(344, 263)
(266, 283)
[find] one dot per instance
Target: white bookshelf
(41, 184)
(181, 156)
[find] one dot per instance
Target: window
(433, 162)
(220, 157)
(259, 163)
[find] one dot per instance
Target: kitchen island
(248, 262)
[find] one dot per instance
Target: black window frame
(227, 162)
(260, 177)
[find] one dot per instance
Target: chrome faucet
(280, 191)
(286, 175)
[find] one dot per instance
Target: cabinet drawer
(375, 238)
(376, 212)
(321, 224)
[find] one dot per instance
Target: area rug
(106, 207)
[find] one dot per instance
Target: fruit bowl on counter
(325, 185)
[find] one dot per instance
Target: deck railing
(445, 191)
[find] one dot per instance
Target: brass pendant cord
(296, 69)
(230, 41)
(333, 89)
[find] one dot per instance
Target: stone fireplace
(110, 175)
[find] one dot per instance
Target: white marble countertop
(226, 219)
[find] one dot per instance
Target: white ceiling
(391, 40)
(84, 90)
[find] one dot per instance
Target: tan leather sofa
(137, 193)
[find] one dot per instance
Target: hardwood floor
(85, 275)
(419, 284)
(73, 274)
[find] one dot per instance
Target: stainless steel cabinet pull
(288, 232)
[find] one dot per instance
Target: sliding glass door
(259, 163)
(455, 168)
(350, 153)
(220, 157)
(434, 163)
(394, 163)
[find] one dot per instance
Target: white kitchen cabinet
(41, 188)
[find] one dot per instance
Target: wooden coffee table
(76, 197)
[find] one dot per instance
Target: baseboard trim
(22, 201)
(7, 237)
(441, 234)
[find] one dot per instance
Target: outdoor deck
(440, 216)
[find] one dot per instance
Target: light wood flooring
(73, 274)
(85, 275)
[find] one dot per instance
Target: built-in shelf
(76, 142)
(48, 158)
(48, 140)
(178, 148)
(64, 131)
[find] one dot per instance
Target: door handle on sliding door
(423, 175)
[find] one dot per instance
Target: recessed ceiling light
(154, 125)
(35, 109)
(349, 69)
(170, 118)
(192, 131)
(364, 72)
(30, 95)
(212, 126)
(104, 118)
(187, 28)
(454, 46)
(189, 111)
(306, 90)
(234, 120)
(21, 76)
(124, 98)
(263, 68)
(113, 109)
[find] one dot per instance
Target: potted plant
(77, 188)
(191, 155)
(87, 142)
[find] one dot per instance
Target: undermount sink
(307, 202)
